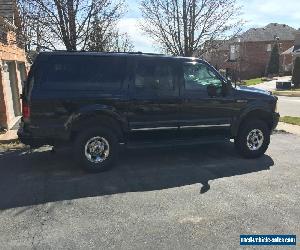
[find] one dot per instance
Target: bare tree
(181, 27)
(54, 24)
(105, 36)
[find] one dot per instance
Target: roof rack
(112, 52)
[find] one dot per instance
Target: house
(292, 52)
(247, 55)
(12, 65)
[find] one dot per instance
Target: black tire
(249, 149)
(106, 136)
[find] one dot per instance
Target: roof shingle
(268, 33)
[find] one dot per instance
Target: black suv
(99, 101)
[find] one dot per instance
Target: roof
(4, 22)
(292, 50)
(288, 51)
(268, 33)
(7, 8)
(65, 53)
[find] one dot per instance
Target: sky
(256, 13)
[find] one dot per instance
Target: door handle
(241, 101)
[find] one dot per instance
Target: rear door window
(82, 73)
(154, 76)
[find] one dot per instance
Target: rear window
(82, 73)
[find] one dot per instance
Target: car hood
(253, 90)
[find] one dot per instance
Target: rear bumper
(35, 139)
(27, 139)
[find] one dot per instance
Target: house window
(234, 50)
(269, 47)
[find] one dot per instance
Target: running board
(175, 142)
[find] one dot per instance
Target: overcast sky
(257, 13)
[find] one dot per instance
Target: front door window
(198, 76)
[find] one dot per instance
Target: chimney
(297, 38)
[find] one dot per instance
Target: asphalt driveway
(200, 197)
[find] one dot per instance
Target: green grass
(253, 81)
(290, 120)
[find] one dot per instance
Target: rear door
(154, 95)
(64, 84)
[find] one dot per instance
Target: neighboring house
(12, 65)
(248, 55)
(292, 52)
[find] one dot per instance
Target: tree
(181, 27)
(296, 73)
(106, 37)
(55, 24)
(273, 65)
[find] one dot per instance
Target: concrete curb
(9, 137)
(289, 94)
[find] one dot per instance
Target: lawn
(291, 120)
(253, 81)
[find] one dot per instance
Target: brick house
(247, 56)
(292, 52)
(12, 65)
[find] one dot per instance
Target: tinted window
(199, 76)
(154, 75)
(83, 73)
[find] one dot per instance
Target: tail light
(25, 110)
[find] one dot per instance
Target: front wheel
(96, 149)
(253, 139)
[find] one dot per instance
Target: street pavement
(200, 197)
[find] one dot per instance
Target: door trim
(207, 126)
(195, 126)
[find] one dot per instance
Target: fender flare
(237, 121)
(93, 113)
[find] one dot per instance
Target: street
(289, 106)
(200, 197)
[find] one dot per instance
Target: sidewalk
(9, 136)
(290, 128)
(271, 85)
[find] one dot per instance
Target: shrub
(273, 66)
(296, 73)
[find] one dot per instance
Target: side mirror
(211, 90)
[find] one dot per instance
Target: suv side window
(198, 76)
(153, 75)
(82, 73)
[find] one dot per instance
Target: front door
(154, 95)
(199, 110)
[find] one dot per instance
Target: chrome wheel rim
(255, 139)
(96, 149)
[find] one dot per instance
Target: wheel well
(259, 115)
(99, 120)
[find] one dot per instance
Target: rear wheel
(96, 149)
(253, 139)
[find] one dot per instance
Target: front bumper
(276, 117)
